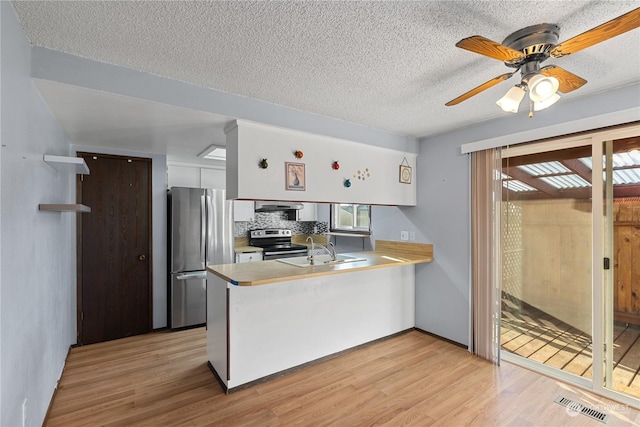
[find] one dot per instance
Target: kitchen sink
(303, 261)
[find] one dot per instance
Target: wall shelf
(75, 165)
(64, 208)
(66, 164)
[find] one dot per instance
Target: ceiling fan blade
(568, 81)
(486, 47)
(477, 90)
(603, 32)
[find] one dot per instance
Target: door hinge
(607, 263)
(82, 316)
(82, 178)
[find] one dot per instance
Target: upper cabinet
(271, 163)
(195, 176)
(308, 213)
(243, 210)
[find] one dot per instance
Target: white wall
(37, 278)
(373, 171)
(158, 223)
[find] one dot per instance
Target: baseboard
(466, 347)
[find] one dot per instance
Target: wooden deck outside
(534, 334)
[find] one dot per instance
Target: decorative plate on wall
(405, 172)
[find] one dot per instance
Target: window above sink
(350, 218)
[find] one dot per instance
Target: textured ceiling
(387, 65)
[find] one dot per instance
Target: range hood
(277, 206)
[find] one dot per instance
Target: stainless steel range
(276, 243)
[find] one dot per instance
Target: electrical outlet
(316, 252)
(404, 235)
(24, 413)
(412, 236)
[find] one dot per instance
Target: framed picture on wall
(405, 174)
(294, 176)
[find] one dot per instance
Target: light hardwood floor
(411, 379)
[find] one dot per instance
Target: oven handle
(285, 252)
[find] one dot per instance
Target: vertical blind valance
(547, 130)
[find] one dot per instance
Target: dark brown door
(114, 285)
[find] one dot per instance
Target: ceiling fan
(527, 48)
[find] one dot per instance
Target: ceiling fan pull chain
(530, 109)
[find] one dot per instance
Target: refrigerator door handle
(198, 275)
(204, 226)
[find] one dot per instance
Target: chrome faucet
(312, 244)
(310, 252)
(332, 251)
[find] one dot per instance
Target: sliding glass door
(571, 259)
(547, 246)
(621, 275)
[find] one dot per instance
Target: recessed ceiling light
(214, 152)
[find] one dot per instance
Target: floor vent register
(576, 408)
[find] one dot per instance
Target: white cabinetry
(249, 257)
(243, 210)
(308, 213)
(195, 176)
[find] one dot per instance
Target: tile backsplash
(278, 220)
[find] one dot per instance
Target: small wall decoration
(335, 165)
(299, 154)
(263, 164)
(347, 183)
(294, 176)
(405, 172)
(362, 174)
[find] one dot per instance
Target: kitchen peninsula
(268, 317)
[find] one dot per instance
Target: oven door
(269, 255)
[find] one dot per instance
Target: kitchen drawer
(249, 257)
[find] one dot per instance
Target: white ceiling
(387, 65)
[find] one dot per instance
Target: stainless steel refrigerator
(200, 234)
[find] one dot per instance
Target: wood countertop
(387, 254)
(245, 249)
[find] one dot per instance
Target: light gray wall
(440, 218)
(37, 262)
(442, 214)
(158, 223)
(1, 150)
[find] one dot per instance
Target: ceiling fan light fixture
(542, 87)
(511, 100)
(541, 105)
